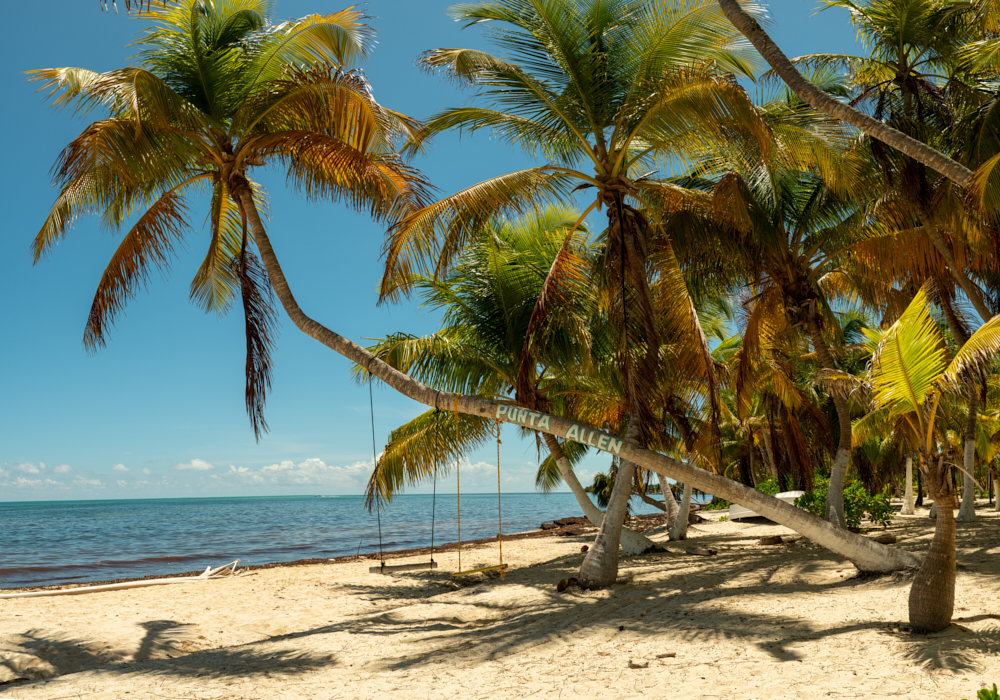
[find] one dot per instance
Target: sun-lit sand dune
(752, 622)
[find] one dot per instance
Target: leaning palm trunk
(967, 512)
(631, 541)
(838, 472)
(932, 595)
(670, 505)
(866, 554)
(600, 566)
(680, 527)
(815, 97)
(908, 508)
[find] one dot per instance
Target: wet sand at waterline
(752, 622)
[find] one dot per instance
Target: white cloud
(122, 483)
(21, 482)
(147, 471)
(121, 468)
(27, 467)
(63, 469)
(84, 481)
(311, 472)
(198, 465)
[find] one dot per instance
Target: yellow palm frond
(907, 359)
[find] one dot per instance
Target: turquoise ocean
(51, 542)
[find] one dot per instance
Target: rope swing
(458, 484)
(383, 569)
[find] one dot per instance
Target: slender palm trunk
(812, 95)
(680, 527)
(600, 566)
(772, 467)
(842, 459)
(631, 541)
(668, 500)
(967, 511)
(932, 595)
(865, 553)
(908, 494)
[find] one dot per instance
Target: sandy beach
(753, 621)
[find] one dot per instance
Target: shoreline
(642, 522)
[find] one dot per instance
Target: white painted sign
(576, 433)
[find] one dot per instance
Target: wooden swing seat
(502, 567)
(402, 567)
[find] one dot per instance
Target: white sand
(751, 623)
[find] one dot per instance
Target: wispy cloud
(147, 471)
(197, 465)
(63, 469)
(84, 481)
(311, 472)
(121, 468)
(25, 467)
(122, 483)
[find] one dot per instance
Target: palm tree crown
(217, 91)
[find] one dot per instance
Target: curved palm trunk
(967, 511)
(842, 459)
(631, 541)
(932, 595)
(866, 554)
(680, 527)
(908, 508)
(812, 95)
(600, 566)
(668, 500)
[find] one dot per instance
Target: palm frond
(421, 448)
(150, 243)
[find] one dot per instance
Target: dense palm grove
(745, 288)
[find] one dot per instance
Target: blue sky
(159, 412)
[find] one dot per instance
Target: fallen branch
(208, 574)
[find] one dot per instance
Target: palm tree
(821, 100)
(911, 379)
(622, 87)
(218, 91)
(779, 223)
(489, 345)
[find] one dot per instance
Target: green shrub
(858, 504)
(987, 694)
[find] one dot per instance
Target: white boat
(736, 511)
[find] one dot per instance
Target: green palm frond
(421, 448)
(340, 38)
(976, 353)
(907, 359)
(428, 240)
(548, 478)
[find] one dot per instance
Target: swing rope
(495, 430)
(382, 568)
(378, 504)
(458, 485)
